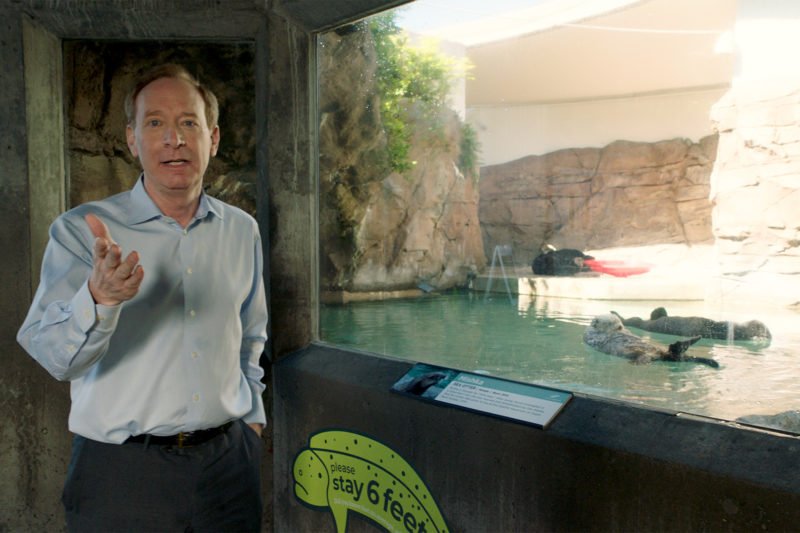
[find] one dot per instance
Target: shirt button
(194, 355)
(191, 313)
(196, 398)
(188, 270)
(87, 314)
(71, 347)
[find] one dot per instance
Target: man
(161, 346)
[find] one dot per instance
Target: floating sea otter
(607, 334)
(689, 326)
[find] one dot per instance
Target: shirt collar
(143, 208)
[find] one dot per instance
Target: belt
(185, 439)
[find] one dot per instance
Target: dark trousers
(134, 487)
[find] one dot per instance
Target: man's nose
(173, 137)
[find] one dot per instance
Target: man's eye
(153, 122)
(189, 123)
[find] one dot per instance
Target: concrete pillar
(33, 406)
(44, 114)
(292, 186)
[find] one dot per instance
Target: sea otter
(689, 326)
(553, 262)
(607, 334)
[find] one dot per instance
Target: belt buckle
(182, 440)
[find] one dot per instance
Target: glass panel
(599, 196)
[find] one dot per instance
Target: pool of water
(541, 341)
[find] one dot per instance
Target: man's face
(171, 137)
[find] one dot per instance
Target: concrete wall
(600, 466)
(509, 132)
(33, 407)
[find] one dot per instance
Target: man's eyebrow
(157, 112)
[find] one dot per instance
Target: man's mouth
(174, 162)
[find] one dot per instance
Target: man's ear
(214, 140)
(131, 136)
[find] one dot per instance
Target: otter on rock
(689, 326)
(607, 334)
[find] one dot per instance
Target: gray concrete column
(33, 406)
(291, 186)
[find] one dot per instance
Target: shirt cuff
(257, 415)
(103, 318)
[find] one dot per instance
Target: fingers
(121, 270)
(100, 250)
(131, 283)
(112, 280)
(108, 257)
(103, 240)
(98, 227)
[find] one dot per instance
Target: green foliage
(388, 77)
(411, 74)
(468, 161)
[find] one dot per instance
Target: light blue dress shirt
(183, 354)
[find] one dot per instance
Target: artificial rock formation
(381, 230)
(755, 189)
(623, 195)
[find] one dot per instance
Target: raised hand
(112, 280)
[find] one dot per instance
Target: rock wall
(380, 230)
(755, 189)
(623, 195)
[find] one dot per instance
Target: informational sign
(343, 471)
(523, 402)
